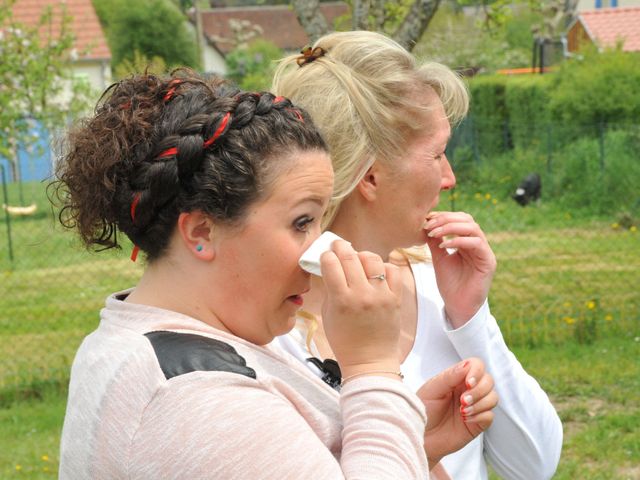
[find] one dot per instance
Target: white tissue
(310, 259)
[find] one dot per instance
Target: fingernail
(443, 244)
(430, 224)
(462, 366)
(466, 410)
(436, 232)
(471, 382)
(467, 400)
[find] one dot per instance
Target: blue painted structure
(35, 159)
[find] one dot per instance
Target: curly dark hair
(156, 147)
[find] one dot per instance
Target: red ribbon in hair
(173, 84)
(134, 204)
(218, 131)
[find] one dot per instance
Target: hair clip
(309, 55)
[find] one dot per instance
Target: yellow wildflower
(18, 467)
(615, 226)
(633, 228)
(608, 317)
(569, 320)
(494, 201)
(487, 196)
(591, 304)
(45, 458)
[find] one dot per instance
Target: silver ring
(382, 276)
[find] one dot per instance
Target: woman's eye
(302, 224)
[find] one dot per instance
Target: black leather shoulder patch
(180, 353)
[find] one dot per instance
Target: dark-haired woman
(223, 191)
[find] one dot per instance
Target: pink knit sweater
(136, 413)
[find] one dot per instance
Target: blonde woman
(387, 121)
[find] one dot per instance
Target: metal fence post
(549, 148)
(7, 217)
(601, 142)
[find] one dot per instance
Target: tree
(405, 21)
(251, 66)
(37, 86)
(466, 43)
(557, 15)
(153, 28)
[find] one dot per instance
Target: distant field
(594, 388)
(566, 296)
(558, 278)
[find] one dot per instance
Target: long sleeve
(525, 439)
(228, 426)
(175, 398)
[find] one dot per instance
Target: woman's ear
(368, 186)
(196, 230)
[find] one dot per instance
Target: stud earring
(199, 248)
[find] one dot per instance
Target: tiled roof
(279, 24)
(606, 26)
(90, 42)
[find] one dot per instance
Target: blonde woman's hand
(464, 276)
(360, 312)
(459, 403)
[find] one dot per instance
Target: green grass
(594, 387)
(30, 436)
(565, 295)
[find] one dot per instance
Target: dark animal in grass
(528, 190)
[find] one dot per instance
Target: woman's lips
(296, 299)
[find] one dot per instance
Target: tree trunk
(311, 18)
(360, 15)
(408, 33)
(378, 14)
(415, 23)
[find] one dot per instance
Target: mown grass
(30, 435)
(594, 387)
(565, 295)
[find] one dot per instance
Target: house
(91, 57)
(605, 27)
(90, 61)
(278, 24)
(584, 5)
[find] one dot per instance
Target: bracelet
(371, 372)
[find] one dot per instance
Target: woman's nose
(448, 177)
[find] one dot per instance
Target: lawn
(594, 387)
(566, 296)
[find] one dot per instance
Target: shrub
(600, 177)
(252, 67)
(527, 101)
(154, 28)
(600, 88)
(488, 113)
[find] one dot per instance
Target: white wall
(591, 4)
(213, 62)
(98, 73)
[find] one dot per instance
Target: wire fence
(565, 274)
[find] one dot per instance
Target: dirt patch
(629, 473)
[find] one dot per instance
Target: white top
(128, 416)
(525, 439)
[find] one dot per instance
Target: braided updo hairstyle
(156, 147)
